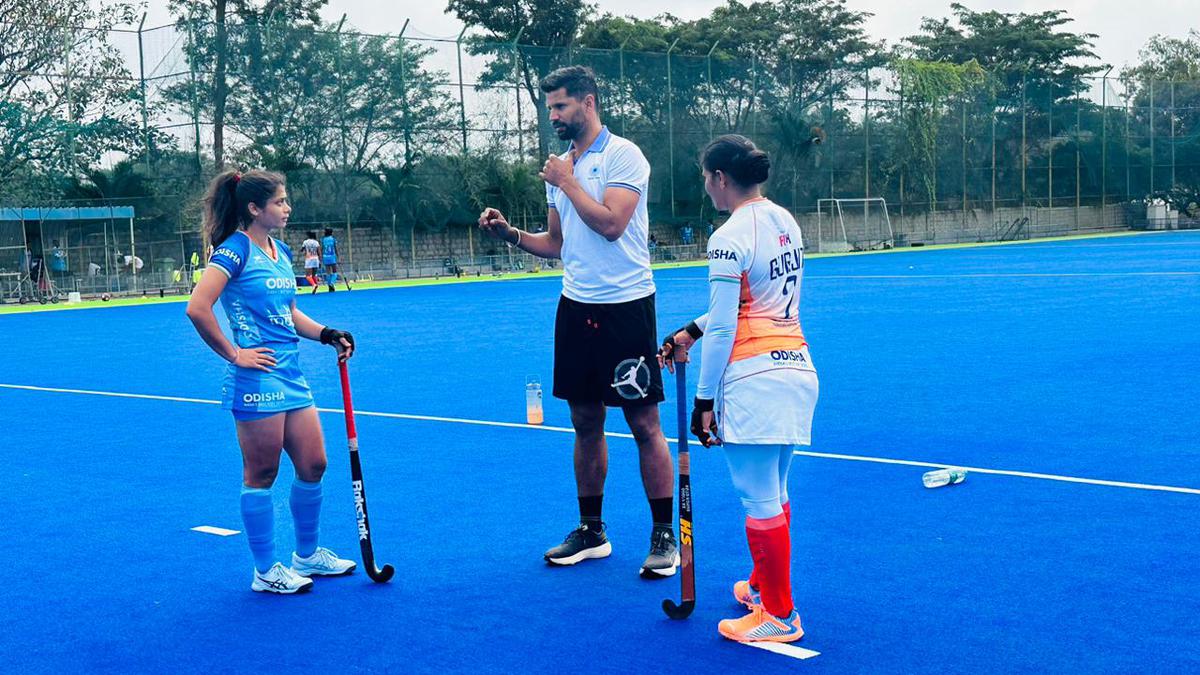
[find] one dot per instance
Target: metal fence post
(867, 138)
(1104, 141)
(963, 105)
(671, 125)
(621, 67)
(68, 38)
(1173, 132)
(517, 90)
(345, 157)
(829, 136)
(1024, 140)
(404, 100)
(1150, 116)
(711, 96)
(1050, 149)
(462, 93)
(993, 116)
(142, 86)
(194, 94)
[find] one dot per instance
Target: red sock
(755, 577)
(771, 549)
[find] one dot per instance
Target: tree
(545, 27)
(64, 92)
(210, 43)
(1019, 49)
(1163, 90)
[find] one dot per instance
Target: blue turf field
(1075, 359)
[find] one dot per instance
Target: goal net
(853, 225)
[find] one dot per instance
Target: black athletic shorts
(606, 353)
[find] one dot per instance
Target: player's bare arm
(608, 218)
(546, 244)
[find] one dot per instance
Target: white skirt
(768, 399)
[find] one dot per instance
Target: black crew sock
(589, 511)
(663, 512)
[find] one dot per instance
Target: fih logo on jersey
(785, 239)
(631, 379)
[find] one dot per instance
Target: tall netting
(397, 142)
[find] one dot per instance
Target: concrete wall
(375, 248)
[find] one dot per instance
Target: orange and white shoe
(761, 626)
(746, 594)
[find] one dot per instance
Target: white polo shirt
(596, 270)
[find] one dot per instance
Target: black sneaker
(663, 559)
(582, 543)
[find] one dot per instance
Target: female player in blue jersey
(251, 273)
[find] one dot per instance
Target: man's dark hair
(579, 81)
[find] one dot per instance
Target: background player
(329, 256)
(312, 258)
(251, 272)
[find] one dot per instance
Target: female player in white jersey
(312, 258)
(757, 385)
(251, 272)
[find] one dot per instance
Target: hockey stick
(687, 578)
(360, 494)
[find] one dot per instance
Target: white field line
(614, 434)
(784, 649)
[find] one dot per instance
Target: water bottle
(940, 477)
(533, 400)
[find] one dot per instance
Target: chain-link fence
(397, 143)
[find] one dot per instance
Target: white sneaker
(280, 579)
(323, 563)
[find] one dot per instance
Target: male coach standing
(604, 333)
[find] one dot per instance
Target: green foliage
(52, 125)
(927, 87)
(544, 27)
(1020, 49)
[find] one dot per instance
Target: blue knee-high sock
(306, 512)
(258, 516)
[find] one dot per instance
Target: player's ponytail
(738, 158)
(226, 204)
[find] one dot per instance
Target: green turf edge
(435, 281)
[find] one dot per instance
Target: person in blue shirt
(329, 258)
(251, 273)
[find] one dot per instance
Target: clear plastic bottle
(940, 477)
(533, 400)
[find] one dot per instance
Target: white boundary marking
(219, 531)
(784, 649)
(614, 434)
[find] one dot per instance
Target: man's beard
(567, 132)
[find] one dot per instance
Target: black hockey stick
(687, 577)
(360, 494)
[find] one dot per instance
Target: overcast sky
(1123, 27)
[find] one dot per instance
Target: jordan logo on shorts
(631, 379)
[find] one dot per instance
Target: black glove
(668, 346)
(699, 407)
(667, 350)
(333, 336)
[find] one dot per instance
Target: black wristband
(327, 334)
(693, 330)
(703, 404)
